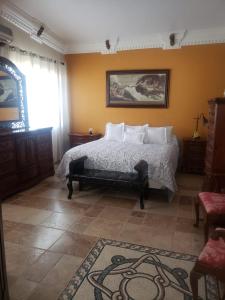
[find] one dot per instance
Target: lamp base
(196, 135)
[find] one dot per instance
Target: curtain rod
(25, 52)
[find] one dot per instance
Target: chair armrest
(76, 166)
(142, 168)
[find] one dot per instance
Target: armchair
(211, 261)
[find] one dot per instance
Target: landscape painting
(137, 88)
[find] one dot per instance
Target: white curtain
(46, 82)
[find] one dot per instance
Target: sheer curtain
(46, 82)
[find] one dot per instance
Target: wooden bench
(138, 180)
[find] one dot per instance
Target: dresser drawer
(7, 168)
(28, 174)
(6, 156)
(6, 144)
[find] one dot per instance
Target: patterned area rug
(123, 271)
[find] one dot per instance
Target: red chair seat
(213, 254)
(213, 203)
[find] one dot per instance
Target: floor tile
(47, 292)
(63, 271)
(24, 214)
(38, 270)
(19, 257)
(105, 228)
(22, 289)
(114, 213)
(117, 202)
(73, 244)
(94, 211)
(33, 236)
(60, 220)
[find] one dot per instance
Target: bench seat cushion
(106, 175)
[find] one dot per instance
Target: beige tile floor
(47, 236)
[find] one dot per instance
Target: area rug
(122, 271)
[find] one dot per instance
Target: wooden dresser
(215, 151)
(25, 159)
(193, 156)
(3, 278)
(77, 139)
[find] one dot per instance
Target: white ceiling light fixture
(110, 46)
(173, 40)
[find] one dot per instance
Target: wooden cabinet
(215, 151)
(3, 279)
(77, 139)
(25, 159)
(193, 156)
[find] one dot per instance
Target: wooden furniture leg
(197, 212)
(194, 277)
(206, 229)
(142, 199)
(70, 188)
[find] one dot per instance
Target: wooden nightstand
(77, 139)
(194, 156)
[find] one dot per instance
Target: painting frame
(11, 98)
(127, 88)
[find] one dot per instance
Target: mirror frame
(8, 67)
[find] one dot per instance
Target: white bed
(122, 156)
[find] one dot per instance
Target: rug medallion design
(123, 271)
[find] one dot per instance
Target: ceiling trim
(182, 38)
(15, 17)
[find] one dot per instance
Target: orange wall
(197, 74)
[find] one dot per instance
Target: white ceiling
(82, 23)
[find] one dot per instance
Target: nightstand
(77, 139)
(194, 156)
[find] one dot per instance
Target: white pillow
(159, 135)
(114, 132)
(134, 137)
(139, 128)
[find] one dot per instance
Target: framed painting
(137, 88)
(8, 91)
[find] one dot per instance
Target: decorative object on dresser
(193, 156)
(215, 150)
(25, 159)
(77, 139)
(3, 279)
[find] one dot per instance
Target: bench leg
(142, 193)
(80, 186)
(70, 188)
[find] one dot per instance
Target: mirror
(13, 102)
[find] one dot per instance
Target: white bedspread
(117, 156)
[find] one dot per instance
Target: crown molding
(182, 38)
(22, 21)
